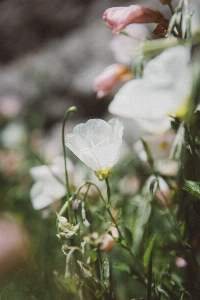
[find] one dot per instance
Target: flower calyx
(67, 230)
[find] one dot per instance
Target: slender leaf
(147, 255)
(101, 216)
(148, 152)
(128, 236)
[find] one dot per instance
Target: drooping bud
(75, 204)
(107, 80)
(161, 29)
(119, 17)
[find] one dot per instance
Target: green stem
(70, 110)
(143, 277)
(108, 190)
(170, 7)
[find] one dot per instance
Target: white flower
(158, 144)
(97, 143)
(163, 91)
(50, 183)
(13, 135)
(122, 44)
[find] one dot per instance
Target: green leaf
(101, 216)
(192, 187)
(162, 291)
(147, 254)
(119, 215)
(128, 236)
(119, 241)
(93, 255)
(148, 152)
(85, 269)
(123, 243)
(123, 267)
(98, 294)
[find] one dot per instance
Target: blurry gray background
(51, 51)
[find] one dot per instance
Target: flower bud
(181, 262)
(161, 29)
(107, 80)
(119, 17)
(75, 204)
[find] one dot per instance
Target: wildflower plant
(142, 242)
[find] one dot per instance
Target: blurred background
(51, 51)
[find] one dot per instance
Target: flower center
(100, 144)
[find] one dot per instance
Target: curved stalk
(70, 110)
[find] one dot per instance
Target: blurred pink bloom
(180, 262)
(129, 184)
(10, 106)
(119, 17)
(108, 241)
(14, 246)
(10, 161)
(107, 80)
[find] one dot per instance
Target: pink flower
(119, 17)
(10, 106)
(107, 80)
(14, 246)
(181, 262)
(108, 241)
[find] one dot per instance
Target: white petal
(44, 193)
(166, 69)
(40, 172)
(96, 143)
(38, 198)
(163, 90)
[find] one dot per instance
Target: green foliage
(192, 187)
